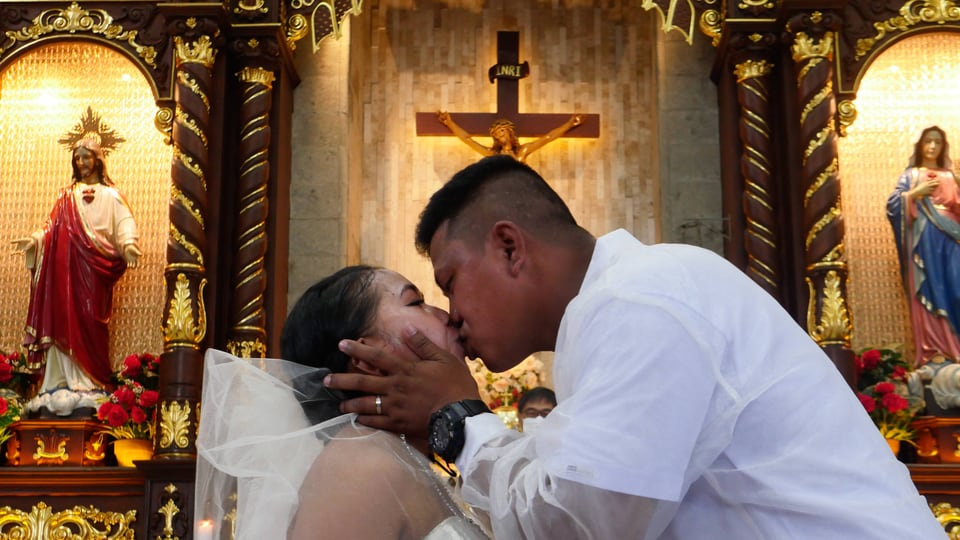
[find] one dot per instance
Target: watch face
(439, 433)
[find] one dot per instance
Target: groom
(689, 400)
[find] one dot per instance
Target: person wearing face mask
(272, 434)
(534, 406)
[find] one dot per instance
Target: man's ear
(509, 242)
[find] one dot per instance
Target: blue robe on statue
(929, 255)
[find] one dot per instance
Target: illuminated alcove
(43, 95)
(912, 85)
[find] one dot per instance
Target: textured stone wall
(653, 170)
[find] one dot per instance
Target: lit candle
(204, 530)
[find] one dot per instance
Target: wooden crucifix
(507, 74)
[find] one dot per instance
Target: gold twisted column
(248, 334)
(760, 235)
(829, 321)
(185, 320)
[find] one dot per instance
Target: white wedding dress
(259, 457)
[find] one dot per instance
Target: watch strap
(475, 406)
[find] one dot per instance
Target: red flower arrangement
(9, 413)
(14, 374)
(882, 389)
(130, 410)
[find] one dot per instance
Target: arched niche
(45, 89)
(912, 84)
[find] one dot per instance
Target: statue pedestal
(56, 442)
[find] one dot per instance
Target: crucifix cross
(507, 74)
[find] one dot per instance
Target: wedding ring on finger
(379, 402)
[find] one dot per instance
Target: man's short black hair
(494, 188)
(539, 393)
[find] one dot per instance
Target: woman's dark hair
(340, 306)
(539, 393)
(918, 148)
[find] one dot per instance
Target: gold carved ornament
(299, 25)
(163, 121)
(200, 51)
(834, 327)
(44, 456)
(912, 13)
(168, 510)
(174, 424)
(806, 47)
(190, 124)
(180, 329)
(256, 75)
(75, 19)
(949, 517)
(711, 25)
(750, 69)
(87, 522)
(847, 111)
(250, 7)
(247, 349)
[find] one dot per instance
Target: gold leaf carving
(75, 19)
(181, 240)
(297, 29)
(86, 522)
(847, 111)
(834, 326)
(256, 75)
(188, 205)
(711, 25)
(247, 349)
(163, 121)
(174, 424)
(168, 510)
(180, 328)
(750, 69)
(200, 51)
(912, 13)
(250, 6)
(806, 47)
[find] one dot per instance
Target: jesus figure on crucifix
(505, 139)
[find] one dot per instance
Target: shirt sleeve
(620, 450)
(520, 499)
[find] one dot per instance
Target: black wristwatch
(446, 427)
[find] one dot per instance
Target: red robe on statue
(71, 296)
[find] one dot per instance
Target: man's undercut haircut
(493, 189)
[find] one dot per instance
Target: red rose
(868, 403)
(116, 417)
(884, 387)
(149, 398)
(137, 415)
(3, 406)
(870, 359)
(6, 372)
(125, 397)
(899, 373)
(104, 410)
(894, 402)
(131, 367)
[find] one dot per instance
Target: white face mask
(530, 425)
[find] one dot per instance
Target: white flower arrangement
(505, 388)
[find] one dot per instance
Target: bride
(275, 454)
